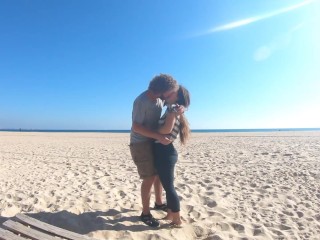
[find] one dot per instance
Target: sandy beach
(231, 185)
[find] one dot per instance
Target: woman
(166, 156)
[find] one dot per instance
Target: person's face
(170, 96)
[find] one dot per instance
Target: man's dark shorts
(142, 155)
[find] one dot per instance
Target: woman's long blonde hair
(184, 99)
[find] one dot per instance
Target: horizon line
(128, 130)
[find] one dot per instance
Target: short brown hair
(162, 83)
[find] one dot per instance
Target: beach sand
(231, 185)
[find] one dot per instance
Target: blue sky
(80, 64)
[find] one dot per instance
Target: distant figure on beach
(146, 113)
(173, 123)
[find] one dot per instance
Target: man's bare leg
(158, 190)
(146, 193)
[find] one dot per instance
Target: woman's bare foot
(176, 219)
(175, 225)
(168, 217)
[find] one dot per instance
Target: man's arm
(138, 128)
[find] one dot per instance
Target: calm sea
(194, 130)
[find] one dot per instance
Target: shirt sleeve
(138, 112)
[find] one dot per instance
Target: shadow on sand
(3, 219)
(90, 221)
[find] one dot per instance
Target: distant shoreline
(193, 130)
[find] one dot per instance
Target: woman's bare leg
(169, 216)
(176, 218)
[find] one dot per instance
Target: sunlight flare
(247, 21)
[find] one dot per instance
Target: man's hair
(162, 83)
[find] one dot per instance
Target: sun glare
(247, 21)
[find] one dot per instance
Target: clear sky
(79, 64)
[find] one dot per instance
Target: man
(146, 113)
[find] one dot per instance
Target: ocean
(193, 130)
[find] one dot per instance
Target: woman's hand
(179, 109)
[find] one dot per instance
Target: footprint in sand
(258, 232)
(51, 193)
(217, 214)
(238, 227)
(300, 214)
(291, 214)
(213, 237)
(317, 217)
(284, 227)
(16, 198)
(199, 231)
(277, 232)
(212, 204)
(207, 180)
(195, 214)
(209, 202)
(287, 154)
(223, 226)
(98, 185)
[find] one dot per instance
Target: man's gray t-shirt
(147, 113)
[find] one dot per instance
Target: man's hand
(164, 139)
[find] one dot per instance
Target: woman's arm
(168, 125)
